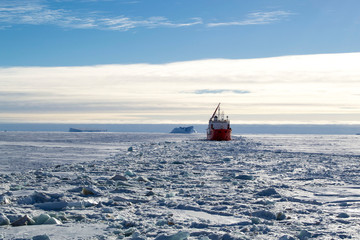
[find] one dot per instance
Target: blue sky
(157, 61)
(89, 32)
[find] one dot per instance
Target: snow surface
(166, 186)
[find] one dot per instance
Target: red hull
(219, 135)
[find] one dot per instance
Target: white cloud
(125, 23)
(37, 13)
(256, 18)
(30, 12)
(290, 89)
(219, 91)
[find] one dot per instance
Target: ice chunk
(245, 177)
(343, 215)
(228, 158)
(4, 200)
(40, 197)
(260, 229)
(264, 214)
(90, 191)
(78, 217)
(137, 236)
(150, 193)
(228, 236)
(286, 237)
(25, 220)
(4, 220)
(142, 179)
(255, 220)
(107, 210)
(130, 173)
(304, 235)
(177, 236)
(41, 219)
(280, 216)
(170, 195)
(53, 221)
(41, 237)
(118, 177)
(52, 206)
(161, 222)
(199, 225)
(268, 192)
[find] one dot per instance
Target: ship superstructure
(219, 127)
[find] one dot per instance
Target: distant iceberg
(86, 130)
(186, 130)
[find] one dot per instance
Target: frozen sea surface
(326, 144)
(31, 150)
(165, 186)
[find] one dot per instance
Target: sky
(152, 61)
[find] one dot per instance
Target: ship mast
(215, 112)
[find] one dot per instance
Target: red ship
(219, 127)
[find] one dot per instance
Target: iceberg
(186, 130)
(86, 130)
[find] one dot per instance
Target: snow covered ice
(165, 186)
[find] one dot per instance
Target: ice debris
(244, 177)
(4, 220)
(130, 173)
(304, 235)
(119, 177)
(25, 220)
(51, 206)
(53, 220)
(4, 200)
(41, 237)
(41, 219)
(264, 214)
(343, 215)
(286, 237)
(90, 191)
(280, 216)
(177, 236)
(268, 192)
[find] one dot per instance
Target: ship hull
(219, 135)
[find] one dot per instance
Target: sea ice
(181, 187)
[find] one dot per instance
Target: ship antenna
(215, 112)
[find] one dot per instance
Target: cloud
(217, 91)
(256, 18)
(34, 12)
(125, 23)
(38, 12)
(312, 87)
